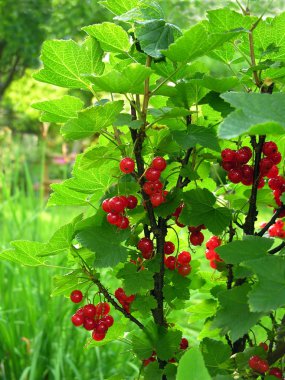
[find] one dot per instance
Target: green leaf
(66, 63)
(220, 84)
(167, 342)
(63, 285)
(112, 37)
(234, 315)
(152, 371)
(64, 196)
(144, 304)
(96, 156)
(253, 109)
(192, 366)
(23, 257)
(167, 112)
(251, 247)
(196, 42)
(155, 35)
(189, 93)
(107, 242)
(195, 134)
(119, 7)
(215, 353)
(129, 80)
(135, 281)
(59, 110)
(202, 310)
(147, 10)
(116, 332)
(199, 209)
(92, 120)
(269, 292)
(225, 20)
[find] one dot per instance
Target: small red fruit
(77, 320)
(102, 327)
(114, 218)
(243, 155)
(269, 148)
(228, 155)
(184, 344)
(152, 174)
(105, 205)
(89, 310)
(98, 336)
(276, 158)
(264, 346)
(124, 223)
(145, 245)
(76, 296)
(159, 163)
(170, 262)
(275, 371)
(213, 242)
(89, 324)
(184, 257)
(184, 270)
(235, 175)
(127, 165)
(116, 205)
(196, 238)
(169, 248)
(102, 309)
(156, 199)
(109, 320)
(132, 202)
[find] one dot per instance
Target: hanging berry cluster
(210, 253)
(116, 207)
(123, 299)
(277, 229)
(235, 163)
(181, 262)
(92, 317)
(153, 187)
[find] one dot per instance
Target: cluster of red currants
(92, 317)
(210, 253)
(276, 230)
(123, 299)
(153, 187)
(181, 262)
(115, 208)
(183, 346)
(235, 163)
(261, 366)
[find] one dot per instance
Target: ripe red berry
(89, 323)
(101, 327)
(228, 165)
(109, 320)
(184, 270)
(152, 174)
(98, 336)
(125, 200)
(276, 158)
(184, 344)
(127, 165)
(269, 148)
(77, 320)
(265, 165)
(247, 171)
(89, 310)
(210, 254)
(145, 245)
(120, 294)
(116, 205)
(254, 361)
(178, 211)
(76, 296)
(262, 366)
(264, 346)
(105, 205)
(196, 238)
(243, 155)
(276, 183)
(261, 183)
(124, 223)
(156, 199)
(213, 264)
(169, 248)
(102, 309)
(158, 163)
(114, 218)
(273, 172)
(132, 202)
(275, 371)
(170, 262)
(184, 258)
(228, 155)
(213, 242)
(147, 255)
(235, 175)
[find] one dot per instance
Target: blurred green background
(37, 340)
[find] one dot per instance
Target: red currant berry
(89, 310)
(89, 324)
(275, 183)
(170, 262)
(184, 258)
(184, 270)
(120, 294)
(124, 223)
(264, 346)
(147, 255)
(247, 171)
(125, 200)
(114, 218)
(109, 320)
(148, 188)
(228, 155)
(98, 336)
(228, 165)
(213, 264)
(243, 155)
(102, 309)
(178, 211)
(105, 205)
(152, 174)
(169, 248)
(254, 362)
(80, 312)
(275, 371)
(261, 183)
(76, 296)
(265, 165)
(127, 165)
(156, 199)
(132, 202)
(184, 344)
(262, 366)
(101, 327)
(196, 238)
(276, 158)
(210, 254)
(269, 148)
(77, 320)
(213, 242)
(158, 163)
(273, 172)
(116, 205)
(145, 245)
(235, 175)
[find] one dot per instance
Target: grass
(37, 338)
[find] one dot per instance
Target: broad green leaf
(59, 110)
(143, 341)
(167, 112)
(107, 243)
(144, 304)
(192, 366)
(67, 63)
(119, 7)
(234, 316)
(155, 35)
(194, 135)
(167, 342)
(97, 155)
(196, 42)
(130, 79)
(251, 247)
(225, 19)
(112, 37)
(19, 257)
(189, 93)
(147, 10)
(199, 209)
(62, 195)
(63, 285)
(202, 310)
(269, 292)
(152, 371)
(220, 84)
(135, 281)
(253, 109)
(215, 353)
(92, 120)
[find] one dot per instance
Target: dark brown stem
(279, 350)
(230, 276)
(251, 217)
(277, 249)
(180, 182)
(271, 221)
